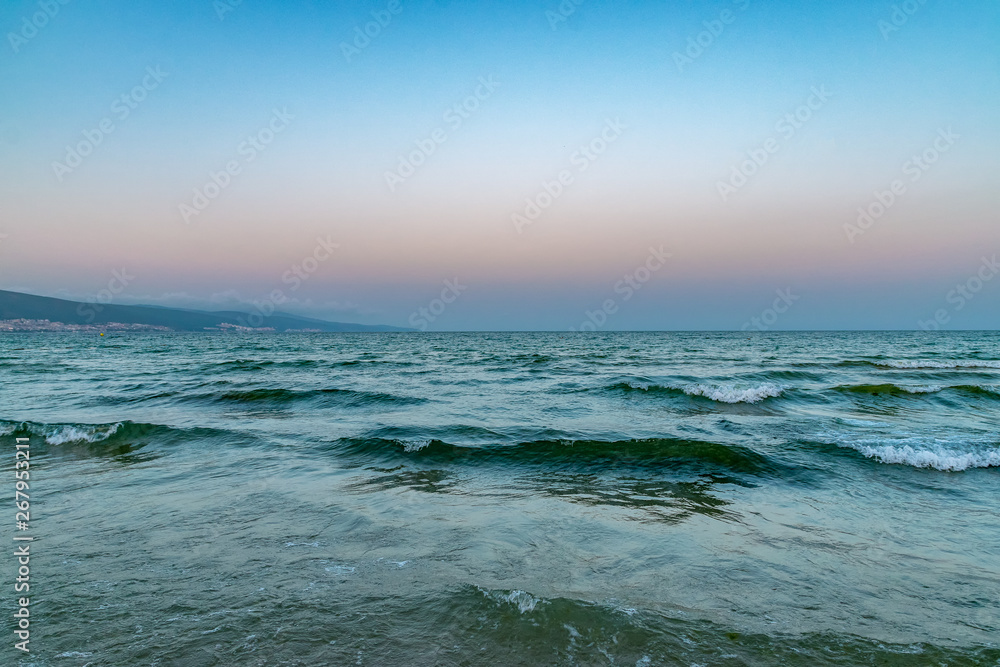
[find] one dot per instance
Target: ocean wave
(263, 364)
(61, 434)
(953, 454)
(240, 365)
(280, 396)
(910, 364)
(732, 393)
(415, 445)
(645, 388)
(524, 602)
(652, 453)
(720, 393)
(566, 630)
(930, 456)
(416, 438)
(113, 433)
(989, 391)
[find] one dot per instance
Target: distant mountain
(27, 312)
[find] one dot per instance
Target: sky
(460, 165)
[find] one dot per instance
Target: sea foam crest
(729, 393)
(974, 388)
(525, 602)
(976, 363)
(884, 443)
(411, 446)
(924, 389)
(940, 458)
(61, 434)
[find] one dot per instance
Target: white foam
(939, 364)
(642, 386)
(340, 569)
(931, 389)
(415, 445)
(886, 443)
(940, 458)
(729, 393)
(525, 602)
(61, 434)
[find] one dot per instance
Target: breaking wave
(953, 455)
(113, 433)
(720, 393)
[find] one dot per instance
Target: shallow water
(467, 499)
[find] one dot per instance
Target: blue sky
(891, 88)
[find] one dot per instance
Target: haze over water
(518, 499)
(846, 151)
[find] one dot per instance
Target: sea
(695, 499)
